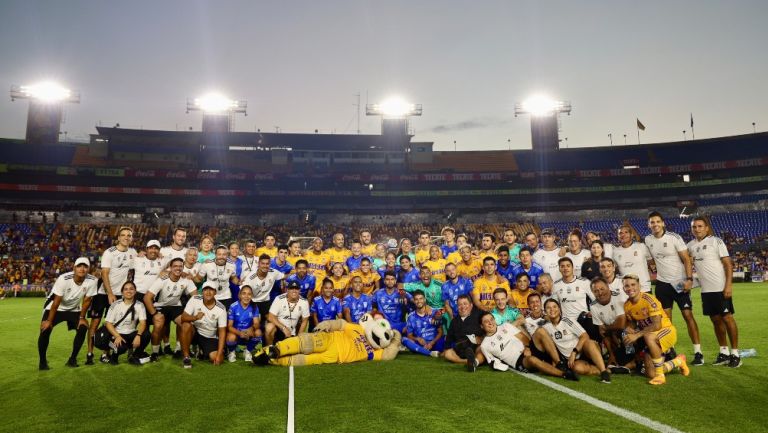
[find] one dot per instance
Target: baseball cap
(548, 231)
(82, 261)
(210, 285)
(293, 285)
(153, 243)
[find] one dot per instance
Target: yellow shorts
(667, 338)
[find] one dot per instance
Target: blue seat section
(60, 154)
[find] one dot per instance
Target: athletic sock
(415, 347)
(77, 343)
(724, 350)
(155, 349)
(735, 352)
(697, 348)
(252, 343)
(658, 364)
(670, 365)
(178, 346)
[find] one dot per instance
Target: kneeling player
(505, 346)
(423, 328)
(647, 320)
(127, 333)
(204, 322)
(608, 315)
(243, 325)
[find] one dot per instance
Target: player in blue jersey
(326, 306)
(449, 241)
(353, 262)
(243, 325)
(304, 279)
(390, 264)
(391, 302)
(423, 330)
(357, 303)
(504, 267)
(526, 265)
(407, 273)
(280, 263)
(453, 287)
(234, 258)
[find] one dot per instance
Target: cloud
(477, 123)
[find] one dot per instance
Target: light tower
(544, 120)
(46, 108)
(395, 115)
(218, 111)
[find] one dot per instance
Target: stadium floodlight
(541, 105)
(393, 108)
(47, 92)
(216, 103)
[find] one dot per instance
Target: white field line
(624, 413)
(290, 427)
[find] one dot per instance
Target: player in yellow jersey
(369, 278)
(368, 247)
(520, 294)
(647, 321)
(339, 279)
(436, 263)
(269, 247)
(455, 257)
(468, 267)
(294, 253)
(338, 253)
(487, 248)
(422, 250)
(335, 342)
(486, 284)
(317, 259)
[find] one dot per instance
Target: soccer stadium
(332, 282)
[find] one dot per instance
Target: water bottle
(747, 353)
(628, 349)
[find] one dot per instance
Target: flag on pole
(640, 125)
(691, 120)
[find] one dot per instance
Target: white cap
(82, 261)
(153, 243)
(210, 284)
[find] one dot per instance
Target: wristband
(575, 350)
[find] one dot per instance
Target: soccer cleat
(89, 359)
(153, 357)
(104, 359)
(177, 354)
(722, 359)
(605, 376)
(134, 360)
(72, 362)
(187, 362)
(735, 362)
(168, 350)
(660, 379)
(434, 354)
(684, 370)
(698, 359)
(43, 366)
(472, 364)
(569, 374)
(247, 356)
(619, 369)
(260, 357)
(562, 366)
(113, 359)
(232, 357)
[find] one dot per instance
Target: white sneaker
(247, 356)
(434, 354)
(232, 357)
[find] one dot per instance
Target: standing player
(429, 286)
(607, 247)
(176, 249)
(504, 267)
(356, 304)
(147, 268)
(288, 316)
(647, 321)
(294, 252)
(261, 282)
(407, 273)
(510, 241)
(243, 326)
(204, 323)
(391, 303)
(674, 276)
(353, 262)
(485, 285)
(436, 264)
(715, 271)
(326, 306)
(307, 282)
(369, 278)
(317, 259)
(449, 242)
(249, 258)
(532, 241)
(234, 259)
(533, 270)
(422, 250)
(548, 255)
(454, 287)
(338, 253)
(487, 247)
(574, 295)
(191, 267)
(269, 247)
(423, 332)
(220, 273)
(455, 256)
(591, 266)
(576, 252)
(340, 281)
(280, 263)
(70, 290)
(632, 257)
(116, 269)
(469, 266)
(366, 246)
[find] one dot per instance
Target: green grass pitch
(410, 394)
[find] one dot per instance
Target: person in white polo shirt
(70, 291)
(715, 273)
(674, 276)
(204, 323)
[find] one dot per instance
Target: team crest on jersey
(704, 247)
(568, 290)
(635, 255)
(665, 244)
(558, 335)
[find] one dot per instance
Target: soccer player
(340, 281)
(206, 251)
(454, 287)
(70, 291)
(545, 287)
(646, 320)
(116, 269)
(469, 266)
(176, 249)
(249, 258)
(391, 302)
(147, 268)
(422, 250)
(548, 255)
(326, 306)
(575, 251)
(261, 282)
(455, 256)
(449, 242)
(127, 333)
(632, 257)
(519, 296)
(504, 267)
(532, 241)
(204, 323)
(533, 270)
(307, 282)
(573, 343)
(715, 271)
(338, 253)
(542, 346)
(486, 284)
(674, 276)
(423, 333)
(353, 262)
(288, 316)
(461, 343)
(191, 267)
(503, 312)
(591, 266)
(163, 302)
(406, 249)
(574, 295)
(243, 326)
(608, 273)
(356, 304)
(269, 247)
(505, 346)
(607, 247)
(220, 273)
(234, 259)
(318, 259)
(367, 248)
(429, 286)
(390, 264)
(487, 247)
(608, 315)
(370, 279)
(407, 273)
(294, 252)
(280, 263)
(436, 263)
(510, 241)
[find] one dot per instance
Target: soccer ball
(378, 332)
